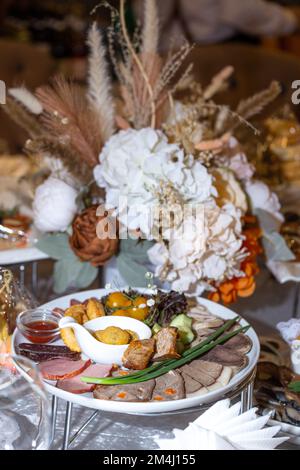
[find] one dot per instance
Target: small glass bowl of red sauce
(39, 325)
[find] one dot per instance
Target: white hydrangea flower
(54, 205)
(199, 255)
(238, 161)
(134, 163)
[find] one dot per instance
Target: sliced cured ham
(75, 384)
(62, 368)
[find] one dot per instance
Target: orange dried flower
(228, 291)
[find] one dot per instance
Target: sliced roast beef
(169, 386)
(191, 385)
(201, 334)
(138, 354)
(240, 343)
(42, 352)
(129, 392)
(61, 368)
(204, 372)
(225, 356)
(75, 384)
(166, 340)
(203, 319)
(203, 376)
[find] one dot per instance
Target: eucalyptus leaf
(132, 271)
(86, 276)
(73, 272)
(55, 245)
(66, 271)
(276, 248)
(136, 249)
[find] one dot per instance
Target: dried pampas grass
(21, 116)
(27, 99)
(68, 116)
(256, 103)
(218, 83)
(99, 84)
(51, 148)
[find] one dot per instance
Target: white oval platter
(150, 407)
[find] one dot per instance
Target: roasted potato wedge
(94, 309)
(78, 312)
(68, 337)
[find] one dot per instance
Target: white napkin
(285, 271)
(222, 427)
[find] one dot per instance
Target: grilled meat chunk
(166, 344)
(138, 354)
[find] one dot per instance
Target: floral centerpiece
(150, 170)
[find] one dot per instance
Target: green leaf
(55, 245)
(136, 249)
(65, 273)
(133, 262)
(276, 248)
(71, 271)
(132, 271)
(86, 276)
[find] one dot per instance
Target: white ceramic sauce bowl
(101, 352)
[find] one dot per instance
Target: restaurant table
(114, 431)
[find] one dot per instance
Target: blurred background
(261, 39)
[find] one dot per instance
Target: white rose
(262, 197)
(54, 205)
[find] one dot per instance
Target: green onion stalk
(158, 369)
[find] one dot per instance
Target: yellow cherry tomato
(121, 313)
(117, 299)
(140, 300)
(139, 309)
(138, 313)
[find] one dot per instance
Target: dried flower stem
(138, 62)
(151, 29)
